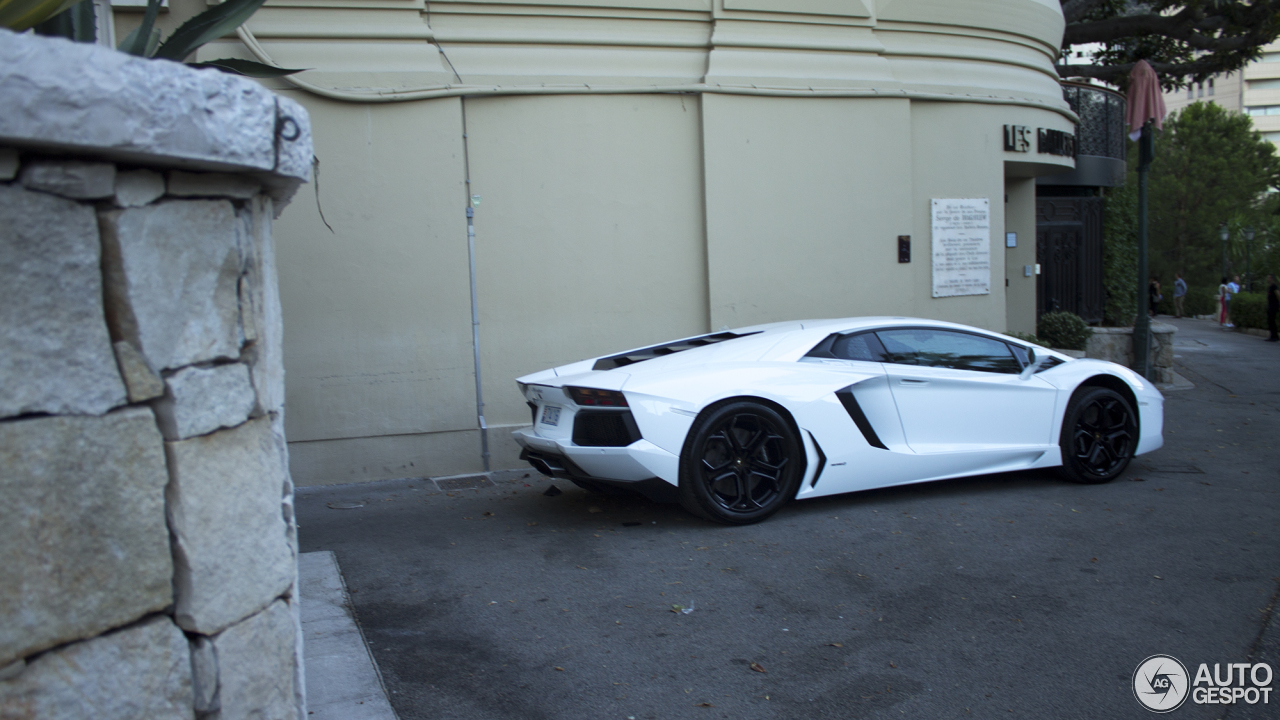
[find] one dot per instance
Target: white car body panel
(918, 423)
(945, 410)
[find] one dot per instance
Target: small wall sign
(1017, 138)
(961, 247)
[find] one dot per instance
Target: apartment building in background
(1254, 90)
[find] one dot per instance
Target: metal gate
(1069, 251)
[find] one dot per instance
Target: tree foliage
(1211, 168)
(74, 20)
(1120, 254)
(1185, 41)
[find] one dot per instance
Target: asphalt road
(1013, 595)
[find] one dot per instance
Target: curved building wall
(648, 169)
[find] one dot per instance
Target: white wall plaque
(961, 247)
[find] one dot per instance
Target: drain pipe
(475, 305)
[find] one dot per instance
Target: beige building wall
(377, 310)
(1020, 287)
(588, 234)
(804, 195)
(648, 169)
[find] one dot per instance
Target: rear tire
(741, 464)
(1099, 436)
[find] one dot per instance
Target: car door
(962, 392)
(867, 400)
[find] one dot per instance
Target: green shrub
(1249, 310)
(1201, 301)
(1120, 255)
(1028, 337)
(1063, 330)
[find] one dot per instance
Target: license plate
(550, 415)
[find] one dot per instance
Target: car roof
(770, 342)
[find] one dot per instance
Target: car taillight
(590, 397)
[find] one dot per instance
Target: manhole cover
(463, 483)
(1175, 469)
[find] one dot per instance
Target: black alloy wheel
(741, 464)
(1099, 436)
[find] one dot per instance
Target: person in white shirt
(1179, 293)
(1233, 289)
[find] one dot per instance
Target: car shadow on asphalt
(633, 509)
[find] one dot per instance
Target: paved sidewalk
(342, 680)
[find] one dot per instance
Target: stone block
(260, 305)
(142, 671)
(8, 163)
(1162, 345)
(256, 677)
(204, 674)
(172, 272)
(78, 95)
(74, 179)
(140, 378)
(199, 400)
(55, 353)
(136, 188)
(230, 541)
(1114, 344)
(212, 185)
(84, 510)
(295, 156)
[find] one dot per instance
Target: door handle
(912, 381)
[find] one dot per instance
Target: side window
(949, 349)
(862, 346)
(1024, 357)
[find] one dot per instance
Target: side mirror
(1033, 365)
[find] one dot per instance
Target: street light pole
(1142, 324)
(1226, 233)
(1248, 250)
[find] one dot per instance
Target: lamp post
(1226, 233)
(1248, 250)
(1142, 324)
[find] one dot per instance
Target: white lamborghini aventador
(734, 424)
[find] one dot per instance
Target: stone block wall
(1116, 345)
(146, 508)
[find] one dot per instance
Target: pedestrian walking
(1154, 296)
(1233, 289)
(1179, 293)
(1273, 307)
(1224, 300)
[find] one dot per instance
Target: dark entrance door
(1069, 251)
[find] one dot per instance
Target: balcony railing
(1102, 131)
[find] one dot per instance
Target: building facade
(638, 171)
(1254, 90)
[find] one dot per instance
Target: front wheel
(741, 464)
(1099, 436)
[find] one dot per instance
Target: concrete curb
(343, 682)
